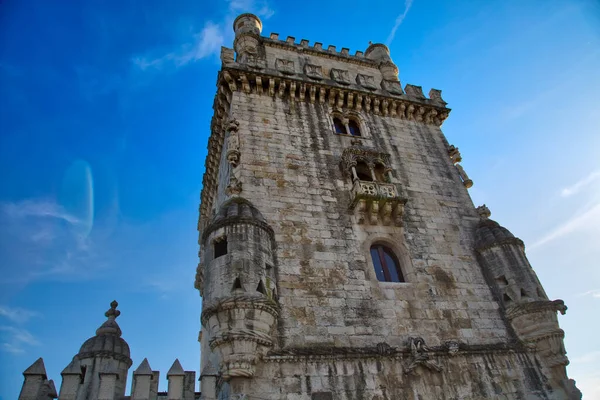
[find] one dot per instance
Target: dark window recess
(82, 376)
(354, 128)
(506, 298)
(339, 126)
(363, 172)
(237, 284)
(380, 173)
(220, 247)
(387, 267)
(261, 288)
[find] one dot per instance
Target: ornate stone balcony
(377, 202)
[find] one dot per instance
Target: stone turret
(247, 43)
(36, 385)
(529, 311)
(239, 288)
(99, 370)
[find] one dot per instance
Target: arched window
(354, 128)
(339, 126)
(387, 267)
(363, 172)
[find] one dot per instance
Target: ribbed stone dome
(239, 208)
(108, 340)
(489, 232)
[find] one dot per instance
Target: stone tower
(341, 256)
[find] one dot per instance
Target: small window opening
(506, 299)
(339, 126)
(501, 280)
(354, 128)
(523, 293)
(220, 247)
(82, 376)
(387, 267)
(237, 284)
(363, 172)
(261, 288)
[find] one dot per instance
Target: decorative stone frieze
(313, 71)
(340, 76)
(285, 66)
(366, 81)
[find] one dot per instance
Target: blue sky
(104, 118)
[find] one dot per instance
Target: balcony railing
(377, 202)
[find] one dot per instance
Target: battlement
(181, 384)
(318, 49)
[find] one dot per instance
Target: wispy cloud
(399, 20)
(588, 219)
(39, 238)
(582, 183)
(593, 293)
(15, 339)
(207, 42)
(17, 314)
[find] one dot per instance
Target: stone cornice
(235, 220)
(267, 81)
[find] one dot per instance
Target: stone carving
(454, 154)
(393, 87)
(313, 71)
(484, 212)
(463, 176)
(351, 156)
(385, 349)
(340, 76)
(455, 157)
(233, 143)
(284, 66)
(452, 347)
(366, 81)
(234, 188)
(420, 356)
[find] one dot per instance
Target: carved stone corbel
(420, 356)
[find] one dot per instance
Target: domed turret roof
(238, 207)
(108, 340)
(489, 231)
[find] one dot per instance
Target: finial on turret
(484, 212)
(110, 326)
(113, 312)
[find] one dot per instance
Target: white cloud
(206, 43)
(17, 314)
(576, 187)
(399, 19)
(590, 219)
(37, 208)
(594, 293)
(14, 339)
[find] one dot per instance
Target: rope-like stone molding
(505, 241)
(245, 301)
(245, 334)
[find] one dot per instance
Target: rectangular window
(220, 247)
